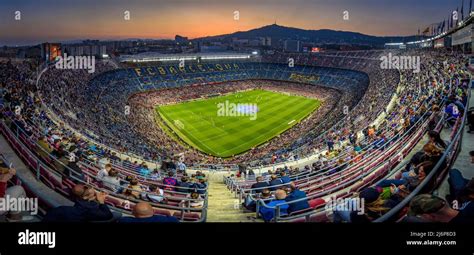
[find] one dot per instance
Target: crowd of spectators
(144, 115)
(438, 81)
(69, 154)
(104, 120)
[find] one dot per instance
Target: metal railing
(380, 167)
(312, 176)
(40, 165)
(277, 208)
(450, 153)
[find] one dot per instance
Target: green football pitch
(214, 127)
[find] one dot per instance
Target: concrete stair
(223, 207)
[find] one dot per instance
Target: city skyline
(53, 20)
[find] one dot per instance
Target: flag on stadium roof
(426, 31)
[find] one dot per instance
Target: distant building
(49, 51)
(102, 50)
(254, 43)
(181, 39)
(29, 52)
(8, 52)
(306, 47)
(266, 41)
(213, 48)
(240, 42)
(292, 45)
(94, 50)
(97, 49)
(87, 50)
(79, 50)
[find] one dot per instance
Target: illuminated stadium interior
(239, 123)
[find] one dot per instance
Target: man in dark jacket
(201, 185)
(284, 178)
(259, 186)
(296, 194)
(185, 186)
(89, 206)
(274, 182)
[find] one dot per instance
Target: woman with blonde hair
(376, 201)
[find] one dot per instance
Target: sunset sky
(58, 20)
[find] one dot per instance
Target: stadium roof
(153, 56)
(459, 25)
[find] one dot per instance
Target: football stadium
(270, 125)
(277, 113)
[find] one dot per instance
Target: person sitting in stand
(430, 208)
(170, 181)
(250, 203)
(459, 186)
(184, 186)
(274, 182)
(89, 206)
(143, 212)
(201, 185)
(268, 213)
(15, 192)
(284, 177)
(154, 194)
(435, 139)
(112, 181)
(194, 201)
(134, 189)
(296, 194)
(259, 186)
(104, 171)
